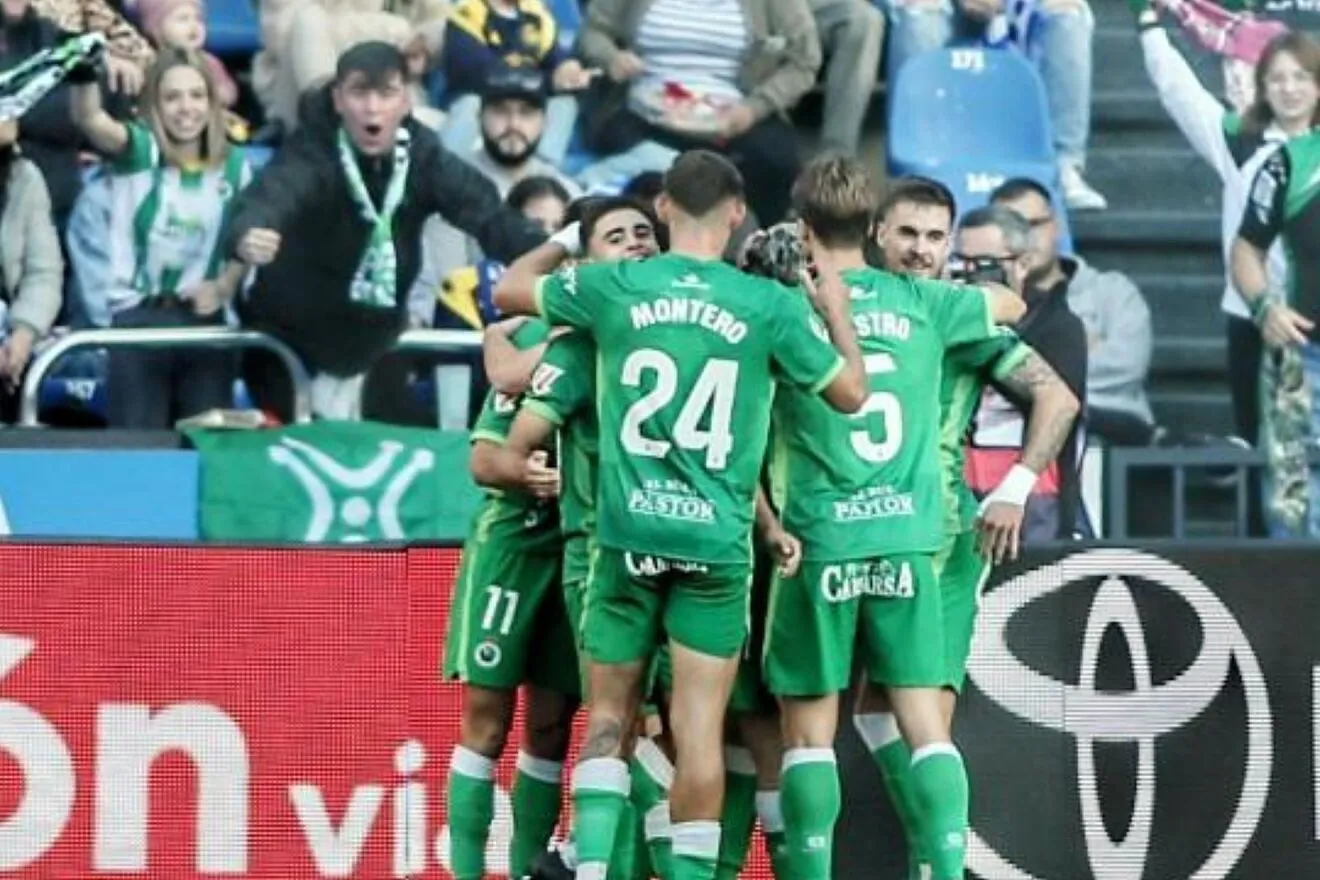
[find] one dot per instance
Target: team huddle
(716, 491)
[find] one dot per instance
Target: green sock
(939, 780)
(536, 800)
(600, 794)
(623, 860)
(659, 840)
(696, 849)
(772, 827)
(642, 869)
(738, 816)
(880, 733)
(811, 799)
(471, 810)
(652, 774)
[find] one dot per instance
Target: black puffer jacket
(302, 297)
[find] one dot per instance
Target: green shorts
(634, 600)
(889, 607)
(508, 623)
(962, 574)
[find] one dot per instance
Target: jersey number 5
(711, 400)
(886, 405)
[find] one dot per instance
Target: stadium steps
(1163, 225)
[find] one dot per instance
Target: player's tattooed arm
(1053, 409)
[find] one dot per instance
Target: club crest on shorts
(487, 655)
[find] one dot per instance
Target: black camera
(978, 270)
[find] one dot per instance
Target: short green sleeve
(562, 384)
(573, 296)
(802, 350)
(959, 313)
(983, 355)
(141, 154)
(495, 419)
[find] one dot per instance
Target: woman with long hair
(1286, 105)
(173, 179)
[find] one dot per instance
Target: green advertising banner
(334, 482)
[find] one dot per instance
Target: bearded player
(913, 235)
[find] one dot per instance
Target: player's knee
(547, 737)
(485, 735)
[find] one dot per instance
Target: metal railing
(1239, 466)
(216, 337)
(164, 337)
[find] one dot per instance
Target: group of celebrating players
(713, 489)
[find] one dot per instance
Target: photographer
(993, 244)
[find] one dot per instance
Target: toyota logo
(1141, 715)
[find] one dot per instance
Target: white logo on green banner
(363, 504)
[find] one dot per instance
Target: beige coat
(302, 40)
(30, 250)
(783, 55)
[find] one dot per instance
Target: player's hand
(999, 531)
(541, 480)
(259, 247)
(786, 549)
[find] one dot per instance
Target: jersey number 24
(710, 400)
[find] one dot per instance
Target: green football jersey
(685, 353)
(512, 516)
(563, 392)
(967, 370)
(867, 485)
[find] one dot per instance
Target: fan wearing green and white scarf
(374, 282)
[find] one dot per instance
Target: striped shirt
(698, 44)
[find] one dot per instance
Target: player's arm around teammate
(1052, 408)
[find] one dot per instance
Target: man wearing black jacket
(1003, 235)
(333, 225)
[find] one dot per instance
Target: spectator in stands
(998, 235)
(303, 39)
(485, 34)
(1119, 338)
(1284, 205)
(1287, 105)
(1055, 33)
(47, 134)
(31, 269)
(172, 179)
(852, 35)
(333, 225)
(543, 200)
(181, 24)
(703, 73)
(512, 123)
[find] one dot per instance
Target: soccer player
(686, 349)
(507, 627)
(863, 496)
(561, 395)
(914, 236)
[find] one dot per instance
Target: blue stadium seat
(568, 16)
(959, 104)
(232, 27)
(971, 118)
(257, 155)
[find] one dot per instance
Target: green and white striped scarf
(21, 87)
(377, 273)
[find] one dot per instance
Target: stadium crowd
(148, 186)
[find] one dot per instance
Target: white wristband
(570, 239)
(1014, 489)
